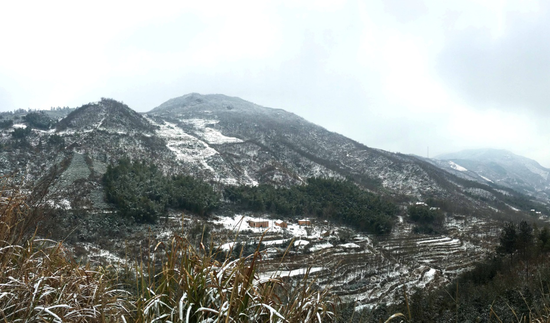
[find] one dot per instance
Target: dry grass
(191, 286)
(40, 283)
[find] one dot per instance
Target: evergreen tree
(508, 239)
(544, 239)
(525, 238)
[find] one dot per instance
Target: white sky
(400, 75)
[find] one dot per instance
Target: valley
(362, 269)
(114, 183)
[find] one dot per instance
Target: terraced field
(364, 269)
(371, 271)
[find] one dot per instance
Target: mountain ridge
(501, 167)
(254, 160)
(229, 141)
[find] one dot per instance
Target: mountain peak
(107, 114)
(195, 102)
(229, 111)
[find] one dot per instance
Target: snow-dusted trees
(427, 220)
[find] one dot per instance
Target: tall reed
(39, 282)
(191, 286)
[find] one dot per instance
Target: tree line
(339, 201)
(141, 191)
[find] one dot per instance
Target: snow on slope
(485, 178)
(209, 134)
(289, 273)
(536, 170)
(457, 167)
(186, 147)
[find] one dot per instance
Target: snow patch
(350, 245)
(457, 167)
(299, 243)
(63, 204)
(429, 275)
(227, 246)
(321, 246)
(209, 134)
(289, 273)
(513, 208)
(275, 242)
(186, 147)
(485, 178)
(98, 254)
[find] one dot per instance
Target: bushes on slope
(427, 219)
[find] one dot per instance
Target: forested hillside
(141, 191)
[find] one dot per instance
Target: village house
(258, 224)
(304, 222)
(281, 224)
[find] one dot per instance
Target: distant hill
(499, 167)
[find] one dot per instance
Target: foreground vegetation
(183, 281)
(171, 282)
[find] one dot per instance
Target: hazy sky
(400, 75)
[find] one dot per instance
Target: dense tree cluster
(4, 124)
(523, 239)
(56, 139)
(428, 219)
(189, 193)
(335, 200)
(38, 120)
(140, 190)
(20, 133)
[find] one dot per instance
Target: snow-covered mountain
(229, 141)
(499, 167)
(245, 143)
(225, 141)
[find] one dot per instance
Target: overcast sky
(400, 75)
